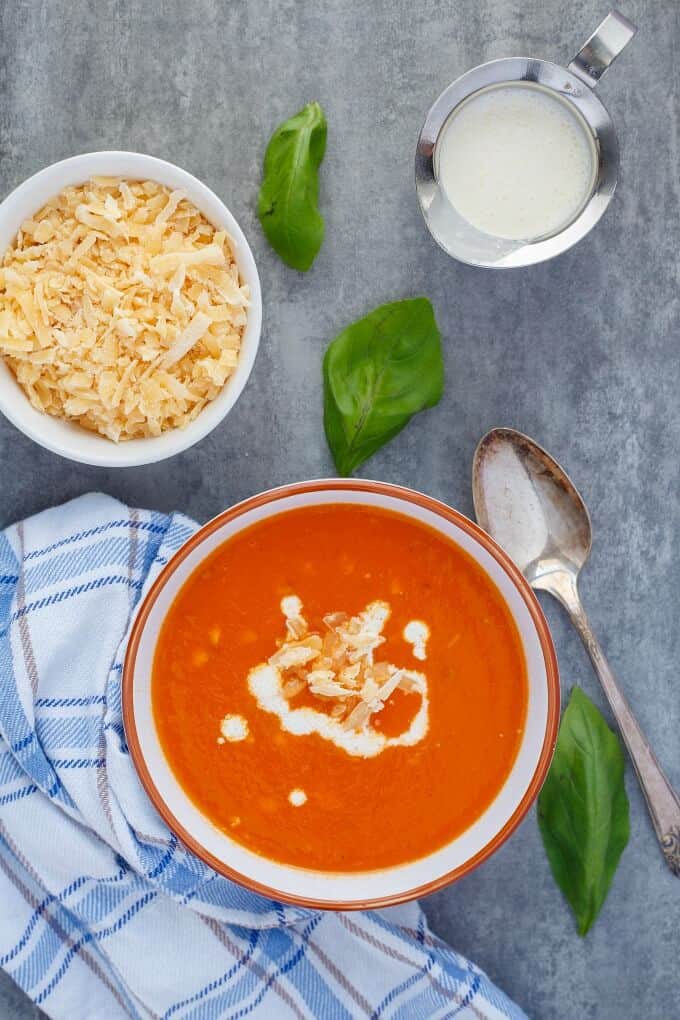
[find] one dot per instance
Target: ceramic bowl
(329, 889)
(66, 438)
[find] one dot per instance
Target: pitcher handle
(603, 47)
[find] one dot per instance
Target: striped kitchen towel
(103, 914)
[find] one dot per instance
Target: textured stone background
(581, 353)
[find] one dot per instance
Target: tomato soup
(340, 687)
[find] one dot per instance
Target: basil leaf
(583, 809)
(287, 205)
(378, 373)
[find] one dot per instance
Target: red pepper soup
(340, 687)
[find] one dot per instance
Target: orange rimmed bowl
(355, 890)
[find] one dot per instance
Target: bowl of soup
(341, 694)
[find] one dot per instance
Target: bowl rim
(409, 496)
(154, 449)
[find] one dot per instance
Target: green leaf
(287, 205)
(378, 373)
(583, 809)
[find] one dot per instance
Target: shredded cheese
(340, 671)
(121, 308)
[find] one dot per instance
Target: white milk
(516, 162)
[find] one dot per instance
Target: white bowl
(66, 438)
(334, 890)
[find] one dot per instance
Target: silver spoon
(526, 502)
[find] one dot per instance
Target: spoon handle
(662, 800)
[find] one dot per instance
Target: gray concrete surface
(581, 353)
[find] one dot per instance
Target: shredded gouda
(121, 308)
(340, 671)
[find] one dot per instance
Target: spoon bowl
(528, 503)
